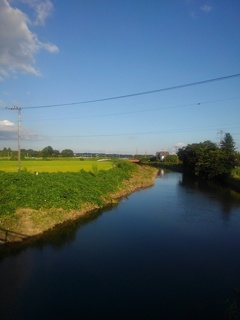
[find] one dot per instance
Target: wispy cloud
(42, 10)
(206, 8)
(195, 8)
(18, 44)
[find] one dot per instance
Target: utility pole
(19, 133)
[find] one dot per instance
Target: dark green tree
(192, 153)
(5, 152)
(171, 159)
(33, 153)
(56, 153)
(47, 152)
(206, 160)
(228, 148)
(211, 164)
(228, 144)
(67, 153)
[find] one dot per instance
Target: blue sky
(65, 52)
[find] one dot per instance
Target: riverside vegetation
(33, 203)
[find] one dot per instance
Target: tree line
(49, 152)
(208, 160)
(46, 152)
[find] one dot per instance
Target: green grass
(66, 190)
(39, 165)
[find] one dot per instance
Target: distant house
(161, 155)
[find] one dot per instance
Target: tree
(228, 148)
(206, 160)
(192, 153)
(67, 153)
(47, 152)
(171, 159)
(228, 144)
(211, 164)
(56, 153)
(5, 152)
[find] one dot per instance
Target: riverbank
(28, 222)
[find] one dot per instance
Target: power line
(138, 93)
(191, 129)
(140, 111)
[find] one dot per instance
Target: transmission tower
(220, 133)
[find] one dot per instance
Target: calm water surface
(168, 252)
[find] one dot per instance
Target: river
(171, 251)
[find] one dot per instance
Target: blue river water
(171, 251)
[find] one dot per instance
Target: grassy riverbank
(32, 204)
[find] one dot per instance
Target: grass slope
(31, 204)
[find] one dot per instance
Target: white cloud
(9, 131)
(6, 123)
(206, 8)
(18, 44)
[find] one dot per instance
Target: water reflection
(228, 199)
(163, 254)
(57, 238)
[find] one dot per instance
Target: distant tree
(33, 153)
(30, 153)
(47, 152)
(191, 154)
(206, 160)
(171, 159)
(5, 152)
(67, 153)
(23, 153)
(9, 152)
(228, 148)
(211, 164)
(228, 144)
(56, 153)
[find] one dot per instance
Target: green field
(39, 165)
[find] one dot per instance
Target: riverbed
(167, 252)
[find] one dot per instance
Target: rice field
(39, 165)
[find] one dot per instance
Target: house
(161, 155)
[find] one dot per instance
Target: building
(161, 155)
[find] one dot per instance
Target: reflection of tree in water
(226, 197)
(57, 238)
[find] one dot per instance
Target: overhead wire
(147, 132)
(136, 94)
(139, 111)
(147, 110)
